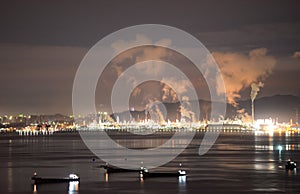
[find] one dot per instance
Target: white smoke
(186, 109)
(244, 116)
(240, 70)
(255, 88)
(160, 114)
(296, 55)
(156, 110)
(179, 88)
(140, 54)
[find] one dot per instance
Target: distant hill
(283, 107)
(52, 118)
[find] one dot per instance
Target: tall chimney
(252, 106)
(254, 90)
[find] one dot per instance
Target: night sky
(43, 42)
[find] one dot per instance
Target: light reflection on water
(271, 152)
(9, 169)
(276, 144)
(275, 141)
(34, 188)
(74, 187)
(236, 162)
(182, 180)
(106, 177)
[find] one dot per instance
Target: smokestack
(252, 106)
(254, 91)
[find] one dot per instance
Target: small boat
(290, 165)
(39, 180)
(144, 173)
(112, 169)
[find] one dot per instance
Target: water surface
(237, 163)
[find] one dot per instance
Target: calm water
(237, 163)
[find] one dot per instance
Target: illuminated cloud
(179, 87)
(255, 87)
(147, 53)
(296, 55)
(186, 110)
(140, 55)
(240, 70)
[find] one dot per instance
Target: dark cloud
(84, 22)
(280, 38)
(43, 42)
(37, 78)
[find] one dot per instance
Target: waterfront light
(73, 186)
(279, 151)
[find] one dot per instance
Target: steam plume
(239, 70)
(296, 55)
(255, 89)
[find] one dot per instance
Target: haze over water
(237, 163)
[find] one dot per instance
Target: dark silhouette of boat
(39, 180)
(144, 173)
(113, 169)
(290, 165)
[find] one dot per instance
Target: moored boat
(290, 165)
(39, 180)
(112, 169)
(144, 173)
